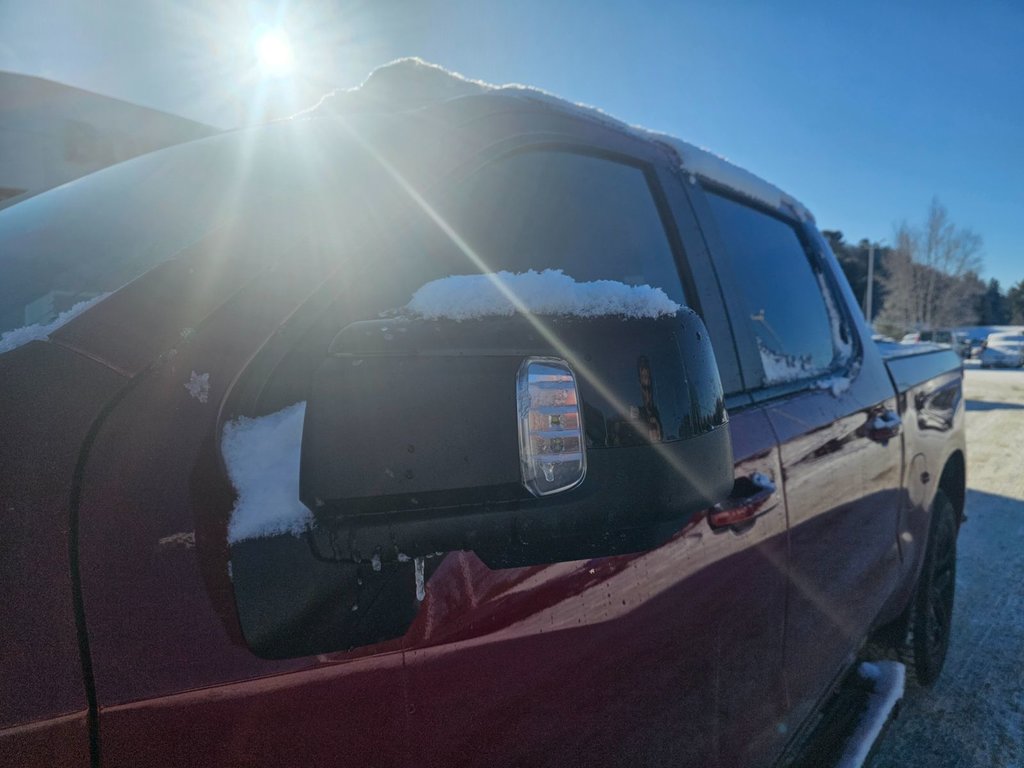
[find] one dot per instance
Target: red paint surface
(42, 428)
(58, 741)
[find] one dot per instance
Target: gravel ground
(974, 715)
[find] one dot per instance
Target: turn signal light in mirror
(552, 452)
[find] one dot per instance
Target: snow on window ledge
(40, 331)
(837, 385)
(262, 457)
(787, 369)
(551, 292)
(784, 369)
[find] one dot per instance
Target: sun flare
(274, 53)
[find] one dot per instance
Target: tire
(932, 612)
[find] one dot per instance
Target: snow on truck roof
(412, 83)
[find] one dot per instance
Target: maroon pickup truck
(451, 425)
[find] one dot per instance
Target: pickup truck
(449, 424)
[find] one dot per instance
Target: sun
(274, 53)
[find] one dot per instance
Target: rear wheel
(933, 601)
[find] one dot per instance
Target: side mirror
(525, 440)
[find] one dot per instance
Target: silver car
(1004, 350)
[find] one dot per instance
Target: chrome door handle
(885, 426)
(737, 512)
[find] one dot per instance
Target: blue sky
(863, 110)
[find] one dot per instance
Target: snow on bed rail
(411, 82)
(262, 458)
(19, 336)
(551, 292)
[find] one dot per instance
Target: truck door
(670, 656)
(834, 415)
(666, 656)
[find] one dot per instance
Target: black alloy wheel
(933, 608)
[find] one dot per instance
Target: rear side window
(593, 218)
(783, 296)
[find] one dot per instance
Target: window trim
(679, 187)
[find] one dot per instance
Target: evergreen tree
(853, 260)
(1015, 302)
(993, 307)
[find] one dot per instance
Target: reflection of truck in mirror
(454, 425)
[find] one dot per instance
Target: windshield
(87, 238)
(65, 249)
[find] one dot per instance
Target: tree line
(928, 277)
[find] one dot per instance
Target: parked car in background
(974, 347)
(1003, 350)
(454, 425)
(962, 344)
(939, 336)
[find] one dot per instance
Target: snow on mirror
(262, 458)
(262, 454)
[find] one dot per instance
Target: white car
(1004, 350)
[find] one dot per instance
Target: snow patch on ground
(19, 336)
(551, 292)
(411, 82)
(262, 458)
(888, 678)
(972, 716)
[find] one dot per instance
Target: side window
(783, 296)
(593, 218)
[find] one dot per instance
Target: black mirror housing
(411, 443)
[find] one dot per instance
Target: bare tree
(933, 271)
(901, 307)
(951, 252)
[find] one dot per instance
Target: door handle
(745, 505)
(885, 426)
